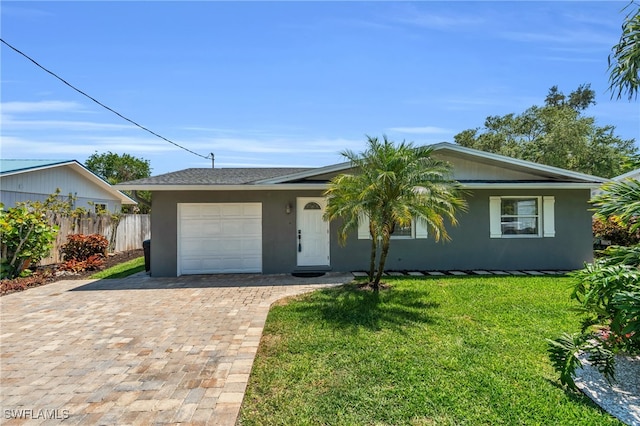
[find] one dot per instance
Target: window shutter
(421, 228)
(548, 216)
(495, 228)
(363, 228)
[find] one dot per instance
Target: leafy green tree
(115, 168)
(556, 134)
(393, 185)
(624, 61)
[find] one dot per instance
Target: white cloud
(39, 106)
(8, 123)
(425, 130)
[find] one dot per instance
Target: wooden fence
(126, 232)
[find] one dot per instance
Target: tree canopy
(393, 186)
(116, 168)
(556, 134)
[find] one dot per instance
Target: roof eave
(324, 186)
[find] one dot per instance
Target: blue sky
(289, 83)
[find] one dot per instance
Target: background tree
(556, 134)
(624, 61)
(115, 168)
(392, 186)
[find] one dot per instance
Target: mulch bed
(49, 273)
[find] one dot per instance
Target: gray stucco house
(522, 215)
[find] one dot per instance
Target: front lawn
(428, 351)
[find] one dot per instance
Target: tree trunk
(383, 258)
(372, 260)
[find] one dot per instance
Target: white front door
(312, 239)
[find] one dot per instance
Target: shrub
(84, 252)
(81, 247)
(612, 230)
(26, 237)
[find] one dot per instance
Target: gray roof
(221, 176)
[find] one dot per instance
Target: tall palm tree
(393, 185)
(624, 60)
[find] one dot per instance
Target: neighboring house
(35, 180)
(521, 215)
(633, 174)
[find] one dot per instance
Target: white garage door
(219, 238)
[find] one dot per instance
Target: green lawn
(122, 270)
(453, 351)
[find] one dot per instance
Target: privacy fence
(124, 232)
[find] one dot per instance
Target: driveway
(138, 350)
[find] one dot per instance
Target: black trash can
(146, 247)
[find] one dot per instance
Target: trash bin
(146, 247)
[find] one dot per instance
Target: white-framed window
(521, 216)
(417, 230)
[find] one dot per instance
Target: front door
(312, 239)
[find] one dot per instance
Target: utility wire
(103, 105)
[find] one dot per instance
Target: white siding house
(35, 180)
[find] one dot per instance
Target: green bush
(27, 237)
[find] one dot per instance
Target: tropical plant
(624, 60)
(608, 293)
(392, 186)
(27, 237)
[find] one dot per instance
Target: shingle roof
(222, 176)
(7, 166)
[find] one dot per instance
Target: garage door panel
(220, 238)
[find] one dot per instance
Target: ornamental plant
(84, 252)
(608, 293)
(27, 237)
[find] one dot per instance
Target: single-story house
(521, 215)
(633, 174)
(36, 180)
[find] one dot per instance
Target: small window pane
(312, 206)
(402, 231)
(520, 225)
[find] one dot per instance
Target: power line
(101, 104)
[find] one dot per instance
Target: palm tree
(393, 186)
(624, 61)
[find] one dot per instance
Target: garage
(216, 238)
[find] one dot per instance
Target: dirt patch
(51, 273)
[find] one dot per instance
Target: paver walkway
(139, 350)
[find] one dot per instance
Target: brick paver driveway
(139, 350)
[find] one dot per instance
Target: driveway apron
(139, 350)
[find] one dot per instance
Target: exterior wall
(278, 228)
(39, 184)
(470, 247)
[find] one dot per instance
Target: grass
(454, 351)
(122, 270)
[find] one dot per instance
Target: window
(99, 208)
(521, 217)
(416, 230)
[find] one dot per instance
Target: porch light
(287, 208)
